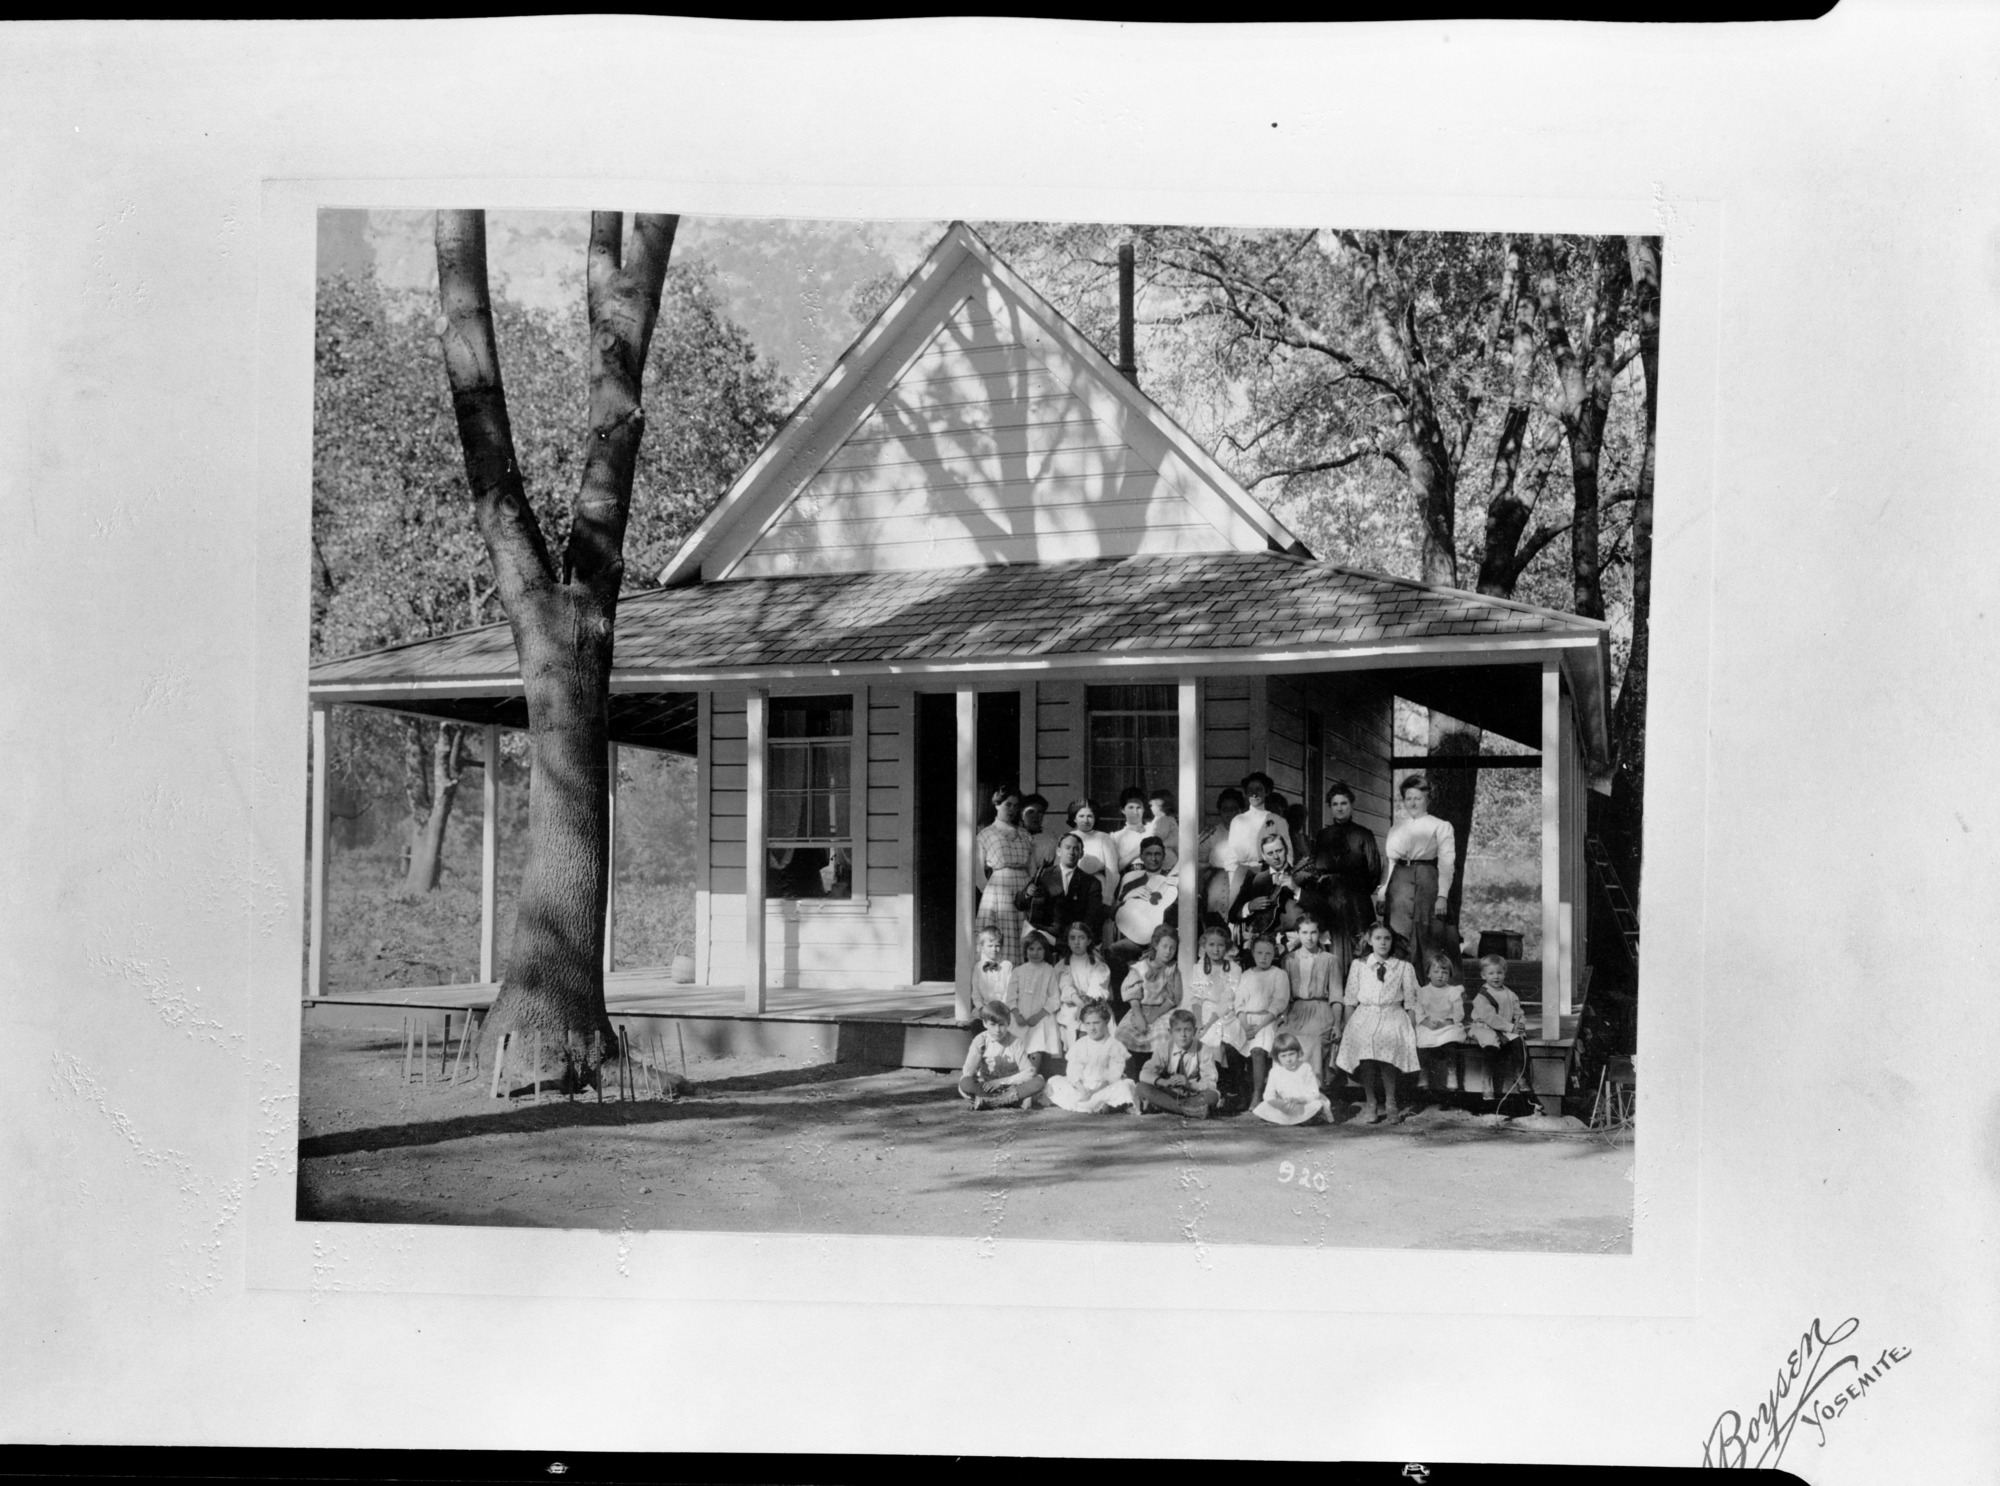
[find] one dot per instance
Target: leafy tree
(1403, 399)
(394, 558)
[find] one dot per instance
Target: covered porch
(949, 682)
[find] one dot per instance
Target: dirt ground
(769, 1144)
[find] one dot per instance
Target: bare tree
(562, 617)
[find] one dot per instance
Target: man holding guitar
(1146, 897)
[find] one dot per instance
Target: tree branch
(500, 508)
(624, 303)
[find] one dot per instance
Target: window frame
(1169, 714)
(855, 842)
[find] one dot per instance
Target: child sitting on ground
(997, 1071)
(1036, 1002)
(1091, 1082)
(1180, 1077)
(1498, 1025)
(1291, 1093)
(1152, 994)
(1262, 995)
(1440, 1013)
(1082, 977)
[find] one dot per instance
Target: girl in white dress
(1379, 1042)
(1210, 994)
(1100, 852)
(1082, 977)
(1152, 994)
(1440, 1014)
(1036, 1002)
(1262, 995)
(1093, 1079)
(1291, 1093)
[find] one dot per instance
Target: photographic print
(1063, 731)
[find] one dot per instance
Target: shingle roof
(1133, 605)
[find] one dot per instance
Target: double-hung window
(1134, 740)
(809, 798)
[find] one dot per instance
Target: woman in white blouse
(1418, 864)
(1100, 852)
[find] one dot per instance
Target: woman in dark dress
(1338, 883)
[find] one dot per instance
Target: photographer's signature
(1813, 1387)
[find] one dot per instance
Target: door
(998, 751)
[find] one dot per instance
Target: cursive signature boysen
(1799, 1393)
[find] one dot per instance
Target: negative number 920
(1314, 1179)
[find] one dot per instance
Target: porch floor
(650, 989)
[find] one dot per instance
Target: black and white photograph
(758, 667)
(983, 739)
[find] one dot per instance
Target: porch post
(489, 853)
(967, 896)
(316, 942)
(755, 723)
(1187, 802)
(611, 851)
(1552, 947)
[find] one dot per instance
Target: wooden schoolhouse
(977, 552)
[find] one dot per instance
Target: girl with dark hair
(1379, 1042)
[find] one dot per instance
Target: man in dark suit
(1064, 894)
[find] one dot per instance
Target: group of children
(1233, 1035)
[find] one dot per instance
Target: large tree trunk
(432, 785)
(1452, 794)
(562, 622)
(1422, 451)
(1628, 714)
(1585, 369)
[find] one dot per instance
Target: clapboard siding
(1059, 744)
(1226, 743)
(1016, 508)
(727, 802)
(981, 452)
(909, 461)
(974, 551)
(1284, 737)
(814, 949)
(888, 742)
(1360, 739)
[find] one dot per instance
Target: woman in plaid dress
(1004, 850)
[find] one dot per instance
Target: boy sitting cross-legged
(1180, 1077)
(998, 1070)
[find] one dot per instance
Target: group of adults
(1258, 875)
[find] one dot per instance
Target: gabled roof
(1205, 610)
(971, 424)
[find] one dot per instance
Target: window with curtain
(1133, 739)
(809, 760)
